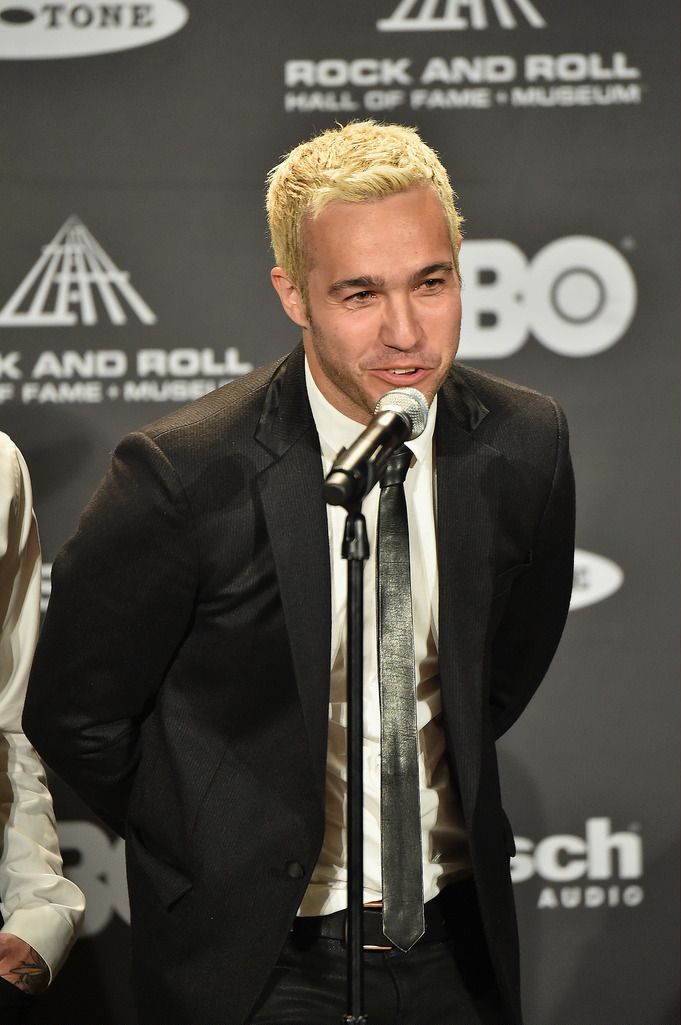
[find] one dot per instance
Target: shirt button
(294, 870)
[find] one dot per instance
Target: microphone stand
(356, 550)
(354, 472)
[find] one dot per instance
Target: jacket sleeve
(123, 591)
(37, 903)
(530, 629)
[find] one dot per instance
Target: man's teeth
(409, 370)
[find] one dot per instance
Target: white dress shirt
(37, 903)
(445, 850)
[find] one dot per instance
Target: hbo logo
(577, 297)
(97, 865)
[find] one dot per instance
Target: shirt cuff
(46, 931)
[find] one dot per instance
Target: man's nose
(400, 328)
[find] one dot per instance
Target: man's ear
(290, 297)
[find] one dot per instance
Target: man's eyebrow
(433, 268)
(361, 283)
(365, 282)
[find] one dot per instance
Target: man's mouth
(403, 375)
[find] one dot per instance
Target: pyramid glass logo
(453, 15)
(63, 286)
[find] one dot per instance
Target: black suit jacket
(181, 680)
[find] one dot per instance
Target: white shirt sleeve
(36, 902)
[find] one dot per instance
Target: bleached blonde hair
(356, 163)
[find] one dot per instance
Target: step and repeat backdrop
(134, 278)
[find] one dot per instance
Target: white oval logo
(595, 579)
(30, 31)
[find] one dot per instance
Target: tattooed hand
(21, 965)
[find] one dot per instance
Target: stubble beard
(350, 388)
(340, 377)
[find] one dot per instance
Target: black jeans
(441, 983)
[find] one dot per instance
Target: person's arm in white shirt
(41, 910)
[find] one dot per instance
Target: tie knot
(396, 467)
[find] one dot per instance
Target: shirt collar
(337, 431)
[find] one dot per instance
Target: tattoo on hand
(31, 974)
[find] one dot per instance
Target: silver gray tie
(401, 854)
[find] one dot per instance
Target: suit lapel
(291, 493)
(466, 514)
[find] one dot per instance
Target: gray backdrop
(136, 138)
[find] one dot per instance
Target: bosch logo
(606, 865)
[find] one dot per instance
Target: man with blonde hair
(363, 162)
(190, 680)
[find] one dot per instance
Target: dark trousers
(446, 982)
(14, 1004)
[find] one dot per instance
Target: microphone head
(410, 403)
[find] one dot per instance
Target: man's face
(384, 307)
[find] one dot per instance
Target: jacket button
(294, 870)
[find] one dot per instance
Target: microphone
(400, 415)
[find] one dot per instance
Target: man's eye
(431, 283)
(360, 297)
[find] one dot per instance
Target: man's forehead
(401, 218)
